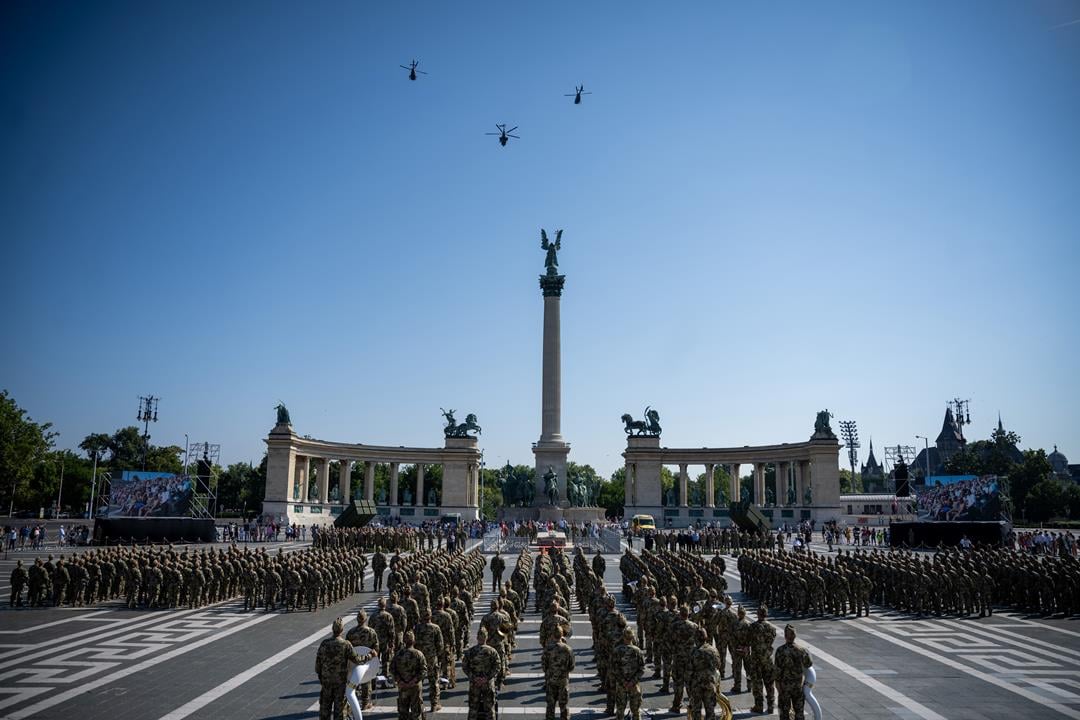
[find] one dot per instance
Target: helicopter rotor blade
(512, 129)
(404, 67)
(422, 72)
(513, 136)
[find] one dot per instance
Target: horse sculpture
(453, 429)
(649, 426)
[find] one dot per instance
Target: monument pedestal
(551, 454)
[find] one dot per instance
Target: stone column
(324, 480)
(630, 488)
(799, 480)
(343, 481)
(710, 486)
(369, 480)
(304, 467)
(759, 483)
(684, 486)
(552, 448)
(420, 490)
(782, 469)
(734, 491)
(394, 484)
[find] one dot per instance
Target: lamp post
(480, 499)
(146, 415)
(850, 434)
(926, 453)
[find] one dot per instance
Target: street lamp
(147, 414)
(850, 435)
(480, 500)
(926, 453)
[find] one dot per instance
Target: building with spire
(873, 473)
(949, 442)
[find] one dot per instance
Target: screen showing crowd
(150, 494)
(960, 497)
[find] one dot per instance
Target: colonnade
(789, 474)
(302, 482)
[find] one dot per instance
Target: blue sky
(769, 209)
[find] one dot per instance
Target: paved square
(111, 663)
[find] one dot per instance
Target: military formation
(950, 582)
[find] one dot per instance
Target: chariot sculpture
(649, 426)
(455, 430)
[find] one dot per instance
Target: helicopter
(579, 90)
(504, 134)
(411, 67)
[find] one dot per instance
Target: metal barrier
(494, 542)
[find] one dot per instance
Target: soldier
(685, 632)
(497, 624)
(447, 622)
(61, 578)
(19, 578)
(705, 665)
(363, 634)
(408, 669)
(762, 672)
(482, 665)
(385, 630)
(791, 661)
(740, 649)
(332, 667)
(629, 667)
(599, 565)
(557, 662)
(271, 585)
(498, 565)
(378, 566)
(726, 619)
(429, 641)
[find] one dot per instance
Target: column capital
(552, 284)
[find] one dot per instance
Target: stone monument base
(552, 513)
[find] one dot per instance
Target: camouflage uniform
(481, 664)
(705, 662)
(762, 673)
(629, 667)
(429, 641)
(362, 634)
(558, 662)
(740, 650)
(408, 669)
(791, 661)
(332, 667)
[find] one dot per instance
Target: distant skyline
(768, 211)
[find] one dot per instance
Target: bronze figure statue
(821, 424)
(551, 485)
(551, 262)
(282, 414)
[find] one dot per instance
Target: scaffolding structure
(205, 478)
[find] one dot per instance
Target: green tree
(1044, 501)
(612, 496)
(999, 458)
(1033, 470)
(968, 461)
(1070, 498)
(23, 445)
(126, 450)
(847, 487)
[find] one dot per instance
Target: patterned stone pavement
(110, 663)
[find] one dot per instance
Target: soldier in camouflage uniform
(663, 625)
(429, 641)
(740, 649)
(332, 667)
(481, 664)
(408, 669)
(363, 634)
(791, 661)
(685, 633)
(558, 662)
(705, 663)
(762, 671)
(447, 622)
(629, 667)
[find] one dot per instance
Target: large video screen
(150, 494)
(960, 497)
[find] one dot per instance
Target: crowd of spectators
(974, 499)
(1045, 542)
(165, 496)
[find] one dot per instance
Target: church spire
(1000, 427)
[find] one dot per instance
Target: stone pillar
(324, 480)
(799, 482)
(759, 483)
(684, 486)
(710, 486)
(420, 490)
(552, 448)
(734, 491)
(394, 484)
(782, 469)
(630, 487)
(343, 481)
(369, 480)
(303, 469)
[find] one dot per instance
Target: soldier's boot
(676, 704)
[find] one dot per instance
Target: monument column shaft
(710, 487)
(684, 487)
(393, 483)
(369, 480)
(419, 485)
(551, 399)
